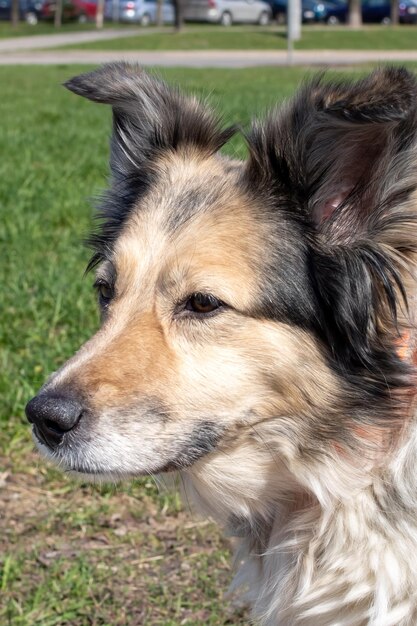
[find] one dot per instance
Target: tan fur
(152, 356)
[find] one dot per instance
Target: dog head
(244, 305)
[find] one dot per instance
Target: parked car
(336, 12)
(315, 10)
(407, 10)
(138, 11)
(79, 10)
(227, 12)
(29, 10)
(312, 10)
(374, 11)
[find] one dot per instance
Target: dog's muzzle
(52, 417)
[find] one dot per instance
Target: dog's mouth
(172, 466)
(92, 472)
(116, 459)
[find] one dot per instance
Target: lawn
(70, 554)
(47, 28)
(257, 38)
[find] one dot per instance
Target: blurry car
(279, 10)
(336, 12)
(138, 11)
(407, 10)
(312, 10)
(376, 11)
(29, 10)
(308, 10)
(373, 12)
(78, 10)
(227, 12)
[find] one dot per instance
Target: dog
(258, 336)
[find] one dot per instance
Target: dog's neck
(324, 544)
(308, 556)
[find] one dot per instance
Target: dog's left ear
(341, 159)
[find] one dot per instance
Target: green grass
(74, 555)
(256, 38)
(47, 28)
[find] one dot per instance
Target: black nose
(53, 416)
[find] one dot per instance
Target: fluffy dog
(258, 336)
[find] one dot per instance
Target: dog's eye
(202, 303)
(105, 291)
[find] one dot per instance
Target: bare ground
(138, 558)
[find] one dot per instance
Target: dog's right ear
(149, 117)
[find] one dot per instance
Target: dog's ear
(341, 158)
(149, 117)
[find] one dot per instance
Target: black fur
(203, 439)
(149, 119)
(358, 138)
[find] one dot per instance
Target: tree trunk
(100, 14)
(14, 14)
(394, 12)
(58, 13)
(355, 13)
(179, 14)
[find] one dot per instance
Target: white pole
(115, 10)
(293, 26)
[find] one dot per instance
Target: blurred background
(224, 12)
(74, 554)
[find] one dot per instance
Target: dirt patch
(82, 555)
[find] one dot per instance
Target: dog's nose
(53, 416)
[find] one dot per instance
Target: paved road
(36, 42)
(207, 58)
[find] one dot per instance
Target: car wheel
(31, 18)
(82, 19)
(226, 19)
(263, 19)
(386, 21)
(333, 20)
(145, 20)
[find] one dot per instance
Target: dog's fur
(289, 407)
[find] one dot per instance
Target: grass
(257, 38)
(47, 28)
(79, 555)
